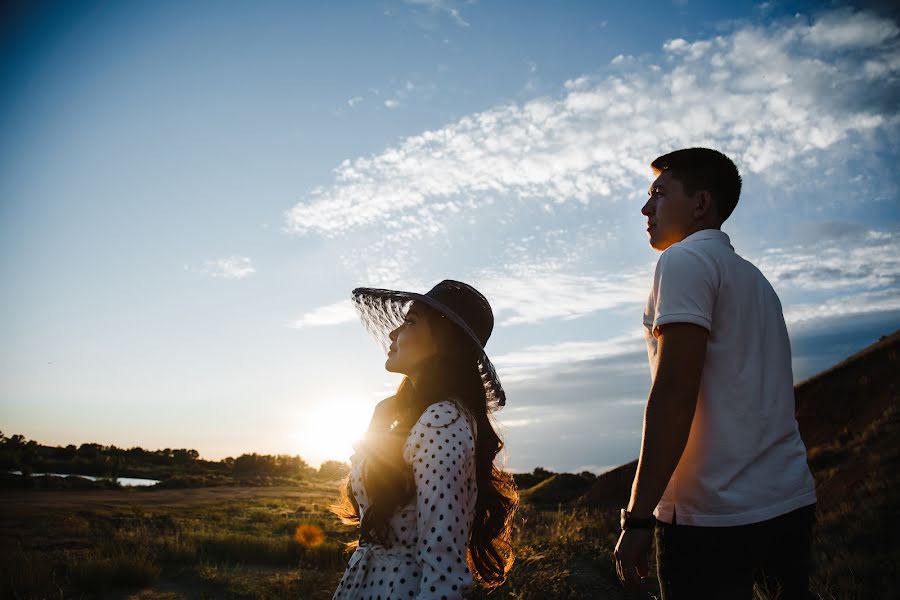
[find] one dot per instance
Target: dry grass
(189, 544)
(562, 553)
(270, 543)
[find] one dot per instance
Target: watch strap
(629, 522)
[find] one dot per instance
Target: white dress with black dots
(427, 556)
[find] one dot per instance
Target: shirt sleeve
(684, 287)
(441, 450)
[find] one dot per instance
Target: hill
(851, 395)
(556, 489)
(612, 489)
(849, 417)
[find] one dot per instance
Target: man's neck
(700, 227)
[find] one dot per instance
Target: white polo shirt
(744, 461)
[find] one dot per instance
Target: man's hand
(631, 559)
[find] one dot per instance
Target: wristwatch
(629, 522)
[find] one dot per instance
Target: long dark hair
(452, 373)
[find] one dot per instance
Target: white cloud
(524, 416)
(766, 96)
(855, 271)
(402, 94)
(532, 293)
(846, 29)
(331, 314)
(851, 270)
(534, 362)
(800, 315)
(446, 7)
(518, 422)
(867, 260)
(233, 267)
(567, 352)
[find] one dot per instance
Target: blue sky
(189, 191)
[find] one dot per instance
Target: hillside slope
(849, 417)
(559, 488)
(612, 489)
(850, 395)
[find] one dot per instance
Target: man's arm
(667, 424)
(669, 412)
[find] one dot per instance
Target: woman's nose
(393, 335)
(647, 209)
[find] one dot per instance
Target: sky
(190, 191)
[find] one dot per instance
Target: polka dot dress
(427, 557)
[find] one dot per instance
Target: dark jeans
(722, 563)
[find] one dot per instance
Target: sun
(327, 430)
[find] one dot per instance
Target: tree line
(28, 456)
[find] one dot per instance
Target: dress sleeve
(441, 450)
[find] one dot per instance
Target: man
(722, 476)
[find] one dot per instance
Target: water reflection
(123, 481)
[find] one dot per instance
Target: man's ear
(703, 205)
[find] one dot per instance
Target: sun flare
(327, 430)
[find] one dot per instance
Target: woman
(433, 511)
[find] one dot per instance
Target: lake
(124, 481)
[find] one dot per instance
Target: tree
(588, 476)
(14, 442)
(67, 453)
(183, 456)
(89, 451)
(333, 469)
(541, 473)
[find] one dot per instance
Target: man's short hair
(704, 169)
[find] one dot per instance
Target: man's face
(669, 212)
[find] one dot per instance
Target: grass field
(226, 542)
(243, 542)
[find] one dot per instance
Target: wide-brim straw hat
(382, 311)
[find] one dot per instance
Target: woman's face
(411, 343)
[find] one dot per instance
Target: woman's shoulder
(445, 419)
(441, 414)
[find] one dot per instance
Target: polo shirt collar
(709, 234)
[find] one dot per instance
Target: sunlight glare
(327, 430)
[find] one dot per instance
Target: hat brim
(383, 311)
